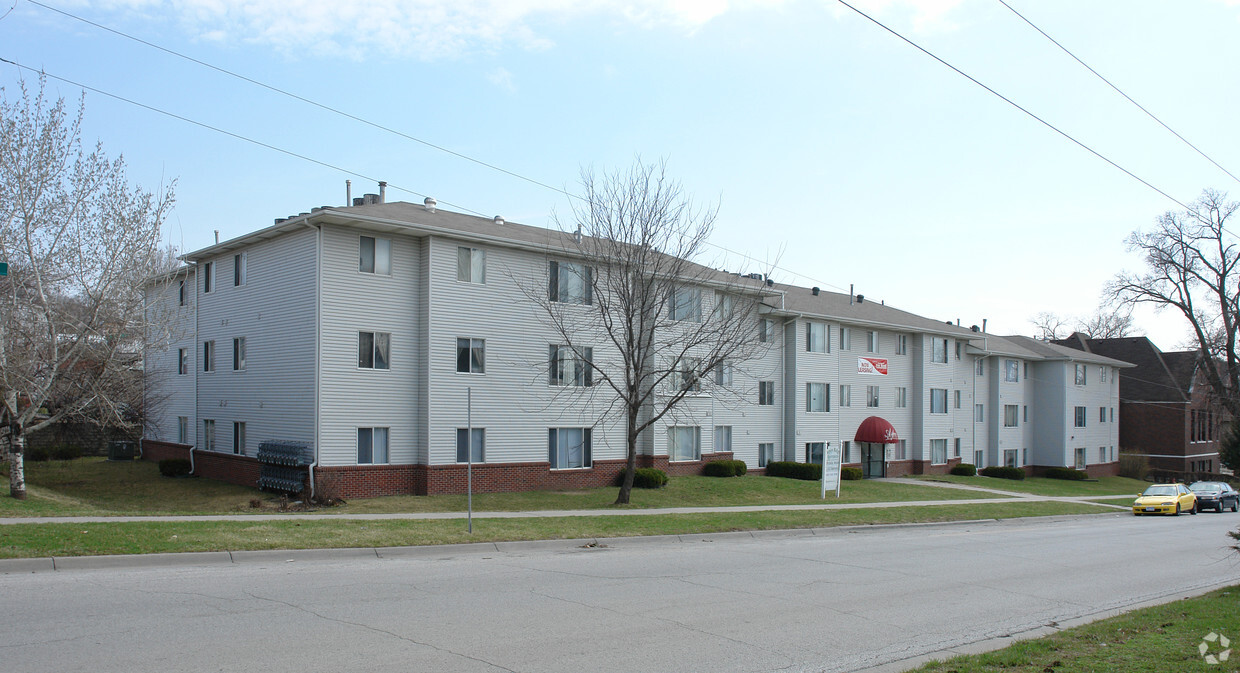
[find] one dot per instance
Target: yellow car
(1165, 499)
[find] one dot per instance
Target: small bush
(649, 477)
(67, 452)
(37, 454)
(791, 470)
(964, 469)
(851, 474)
(725, 468)
(1133, 466)
(174, 467)
(1065, 473)
(1013, 473)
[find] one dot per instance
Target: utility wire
(223, 131)
(1009, 101)
(1120, 92)
(308, 101)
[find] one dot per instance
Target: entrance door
(872, 463)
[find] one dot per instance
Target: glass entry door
(872, 463)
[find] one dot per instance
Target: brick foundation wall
(225, 467)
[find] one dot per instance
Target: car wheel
(1195, 509)
(1177, 509)
(1235, 504)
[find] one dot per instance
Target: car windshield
(1160, 490)
(1206, 486)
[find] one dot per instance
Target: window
(901, 398)
(239, 269)
(938, 400)
(181, 293)
(1026, 370)
(684, 442)
(1080, 375)
(956, 451)
(901, 344)
(845, 339)
(1024, 456)
(471, 265)
(1010, 416)
(571, 283)
(938, 451)
(979, 413)
(816, 397)
(471, 356)
(1079, 417)
(1102, 414)
(208, 356)
(1102, 454)
(766, 393)
(1079, 455)
(239, 354)
(902, 450)
(723, 439)
(980, 367)
(938, 350)
(182, 429)
(208, 434)
(846, 453)
(871, 341)
(723, 374)
(568, 448)
(372, 445)
(845, 395)
(375, 255)
(239, 438)
(766, 330)
(871, 396)
(373, 350)
(958, 344)
(1102, 375)
(182, 361)
(685, 375)
(1112, 414)
(568, 368)
(686, 304)
(955, 399)
(1011, 371)
(725, 306)
(979, 459)
(1024, 414)
(471, 445)
(208, 277)
(816, 337)
(813, 452)
(766, 453)
(1009, 458)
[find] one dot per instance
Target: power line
(225, 132)
(308, 101)
(1009, 101)
(1119, 91)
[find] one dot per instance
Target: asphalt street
(830, 600)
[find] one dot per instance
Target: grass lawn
(67, 539)
(1161, 638)
(1044, 486)
(94, 486)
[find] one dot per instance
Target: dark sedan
(1215, 495)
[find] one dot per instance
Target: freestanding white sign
(831, 470)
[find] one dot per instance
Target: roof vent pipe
(382, 191)
(975, 328)
(499, 220)
(577, 235)
(217, 236)
(815, 290)
(429, 202)
(348, 192)
(983, 324)
(850, 294)
(860, 299)
(770, 282)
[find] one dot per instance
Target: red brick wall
(1158, 428)
(226, 467)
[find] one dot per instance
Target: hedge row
(1065, 473)
(725, 468)
(791, 470)
(1013, 473)
(964, 469)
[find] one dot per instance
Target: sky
(838, 154)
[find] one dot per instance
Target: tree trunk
(17, 465)
(630, 462)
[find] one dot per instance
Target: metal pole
(469, 452)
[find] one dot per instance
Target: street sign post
(831, 470)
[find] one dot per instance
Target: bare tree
(628, 281)
(80, 243)
(1051, 326)
(1106, 323)
(1193, 267)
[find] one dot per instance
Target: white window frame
(570, 283)
(181, 293)
(766, 393)
(684, 375)
(182, 361)
(1080, 458)
(1011, 371)
(567, 369)
(678, 434)
(239, 269)
(722, 439)
(238, 361)
(685, 304)
(937, 354)
(938, 451)
(979, 413)
(815, 452)
(1011, 458)
(376, 353)
(937, 394)
(766, 330)
(208, 356)
(766, 453)
(1011, 416)
(208, 434)
(817, 397)
(871, 397)
(871, 341)
(956, 450)
(725, 305)
(979, 366)
(724, 374)
(901, 344)
(377, 441)
(477, 441)
(1079, 416)
(955, 399)
(816, 337)
(470, 348)
(845, 339)
(239, 438)
(471, 265)
(845, 395)
(183, 429)
(901, 397)
(1081, 376)
(378, 259)
(208, 277)
(560, 452)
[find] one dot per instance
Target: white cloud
(427, 29)
(501, 78)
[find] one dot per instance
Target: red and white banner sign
(876, 366)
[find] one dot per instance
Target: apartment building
(400, 344)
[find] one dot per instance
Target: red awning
(876, 430)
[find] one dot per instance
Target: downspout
(197, 367)
(318, 347)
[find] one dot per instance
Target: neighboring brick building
(1165, 407)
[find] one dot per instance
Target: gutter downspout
(197, 367)
(318, 347)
